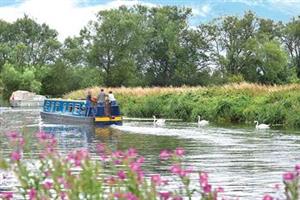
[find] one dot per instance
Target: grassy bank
(236, 103)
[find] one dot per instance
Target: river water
(246, 162)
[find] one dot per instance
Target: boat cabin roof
(66, 100)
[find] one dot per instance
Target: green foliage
(13, 79)
(219, 106)
(28, 81)
(236, 78)
(143, 46)
(290, 38)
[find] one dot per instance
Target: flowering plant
(116, 175)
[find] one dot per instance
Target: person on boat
(101, 97)
(89, 104)
(111, 98)
(107, 110)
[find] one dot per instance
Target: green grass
(237, 103)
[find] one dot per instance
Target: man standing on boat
(101, 98)
(89, 104)
(111, 98)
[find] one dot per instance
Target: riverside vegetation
(50, 175)
(234, 103)
(148, 46)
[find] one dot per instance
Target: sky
(68, 17)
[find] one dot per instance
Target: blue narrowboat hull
(76, 112)
(66, 119)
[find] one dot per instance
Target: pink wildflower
(42, 136)
(140, 175)
(121, 175)
(288, 176)
(111, 180)
(140, 159)
(77, 156)
(203, 179)
(118, 195)
(130, 196)
(132, 153)
(63, 195)
(21, 141)
(156, 179)
(6, 195)
(47, 173)
(277, 186)
(176, 169)
(118, 154)
(117, 162)
(220, 189)
(179, 151)
(297, 168)
(63, 181)
(15, 156)
(165, 195)
(165, 155)
(100, 148)
(267, 197)
(207, 188)
(185, 172)
(32, 194)
(134, 166)
(13, 135)
(47, 185)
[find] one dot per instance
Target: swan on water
(158, 122)
(202, 122)
(261, 126)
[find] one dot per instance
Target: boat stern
(108, 120)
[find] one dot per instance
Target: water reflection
(246, 162)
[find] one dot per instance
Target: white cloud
(202, 11)
(68, 17)
(247, 2)
(290, 7)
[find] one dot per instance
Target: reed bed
(232, 103)
(136, 91)
(255, 89)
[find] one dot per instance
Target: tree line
(141, 46)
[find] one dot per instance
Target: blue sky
(69, 16)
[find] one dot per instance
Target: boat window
(57, 106)
(76, 108)
(47, 106)
(64, 107)
(52, 106)
(70, 107)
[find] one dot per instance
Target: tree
(13, 79)
(291, 39)
(32, 44)
(268, 63)
(164, 50)
(113, 44)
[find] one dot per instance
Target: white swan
(261, 126)
(202, 122)
(159, 122)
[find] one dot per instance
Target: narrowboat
(22, 98)
(78, 112)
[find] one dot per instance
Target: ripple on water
(246, 162)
